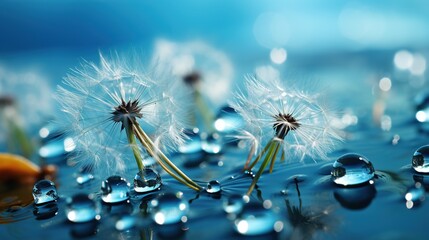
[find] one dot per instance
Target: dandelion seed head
(100, 100)
(276, 110)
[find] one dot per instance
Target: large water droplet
(192, 143)
(228, 120)
(415, 195)
(254, 219)
(81, 208)
(352, 169)
(213, 187)
(115, 189)
(212, 143)
(147, 180)
(45, 211)
(420, 159)
(44, 191)
(168, 208)
(233, 204)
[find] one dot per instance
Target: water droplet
(352, 169)
(44, 191)
(254, 219)
(45, 211)
(192, 143)
(357, 197)
(168, 208)
(115, 189)
(81, 208)
(213, 187)
(212, 143)
(415, 195)
(420, 159)
(84, 175)
(422, 107)
(233, 204)
(228, 120)
(147, 180)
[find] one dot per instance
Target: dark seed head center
(127, 112)
(284, 123)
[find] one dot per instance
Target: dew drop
(125, 222)
(168, 208)
(352, 169)
(420, 160)
(254, 219)
(81, 208)
(228, 120)
(84, 175)
(44, 191)
(415, 195)
(422, 108)
(213, 187)
(147, 180)
(233, 204)
(115, 189)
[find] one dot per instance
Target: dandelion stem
(249, 157)
(133, 144)
(202, 106)
(268, 157)
(275, 156)
(260, 155)
(160, 157)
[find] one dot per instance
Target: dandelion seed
(101, 101)
(298, 123)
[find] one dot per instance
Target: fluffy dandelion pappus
(100, 101)
(298, 122)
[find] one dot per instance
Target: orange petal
(17, 167)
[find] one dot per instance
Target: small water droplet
(147, 180)
(125, 222)
(81, 208)
(422, 108)
(415, 195)
(84, 175)
(115, 189)
(212, 143)
(233, 204)
(254, 219)
(168, 208)
(44, 191)
(352, 169)
(192, 142)
(420, 160)
(45, 211)
(228, 120)
(213, 187)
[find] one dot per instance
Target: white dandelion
(105, 105)
(292, 124)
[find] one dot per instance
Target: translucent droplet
(84, 175)
(81, 208)
(168, 208)
(420, 159)
(233, 204)
(115, 189)
(228, 120)
(192, 142)
(44, 191)
(212, 143)
(352, 169)
(422, 108)
(213, 187)
(254, 219)
(147, 180)
(125, 222)
(415, 195)
(45, 211)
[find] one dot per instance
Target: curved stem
(206, 114)
(136, 151)
(260, 155)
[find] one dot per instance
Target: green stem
(133, 144)
(268, 157)
(160, 157)
(21, 139)
(203, 108)
(249, 157)
(275, 156)
(260, 155)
